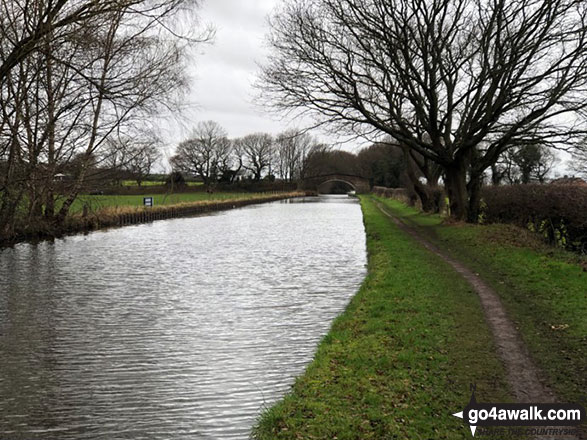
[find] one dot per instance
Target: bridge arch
(326, 182)
(358, 183)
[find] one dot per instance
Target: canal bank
(130, 215)
(401, 357)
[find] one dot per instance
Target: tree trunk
(425, 199)
(10, 196)
(35, 206)
(431, 173)
(474, 190)
(51, 162)
(50, 203)
(436, 198)
(456, 186)
(60, 217)
(496, 176)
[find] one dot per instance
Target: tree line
(209, 155)
(459, 88)
(214, 158)
(388, 164)
(78, 80)
(457, 84)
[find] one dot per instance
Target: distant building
(566, 180)
(59, 177)
(240, 175)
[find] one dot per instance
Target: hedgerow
(557, 212)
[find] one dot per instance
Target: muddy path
(524, 377)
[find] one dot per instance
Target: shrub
(557, 212)
(175, 180)
(437, 198)
(434, 204)
(401, 194)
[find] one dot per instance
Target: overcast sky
(225, 70)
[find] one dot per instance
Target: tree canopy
(456, 81)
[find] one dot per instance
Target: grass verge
(544, 290)
(99, 202)
(155, 183)
(400, 359)
(114, 212)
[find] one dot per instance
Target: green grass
(544, 290)
(95, 203)
(155, 183)
(400, 359)
(144, 183)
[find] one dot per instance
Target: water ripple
(182, 329)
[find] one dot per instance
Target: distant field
(95, 203)
(155, 183)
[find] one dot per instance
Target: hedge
(558, 212)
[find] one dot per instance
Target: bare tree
(25, 25)
(292, 150)
(204, 152)
(114, 158)
(384, 164)
(257, 150)
(72, 75)
(579, 163)
(419, 167)
(225, 161)
(131, 76)
(326, 161)
(231, 162)
(132, 157)
(526, 164)
(288, 154)
(142, 158)
(457, 81)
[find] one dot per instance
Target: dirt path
(523, 376)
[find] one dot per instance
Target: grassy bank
(128, 210)
(544, 290)
(99, 202)
(155, 183)
(401, 357)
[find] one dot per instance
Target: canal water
(179, 329)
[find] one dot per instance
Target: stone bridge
(358, 183)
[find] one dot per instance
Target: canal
(178, 329)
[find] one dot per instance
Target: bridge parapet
(358, 183)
